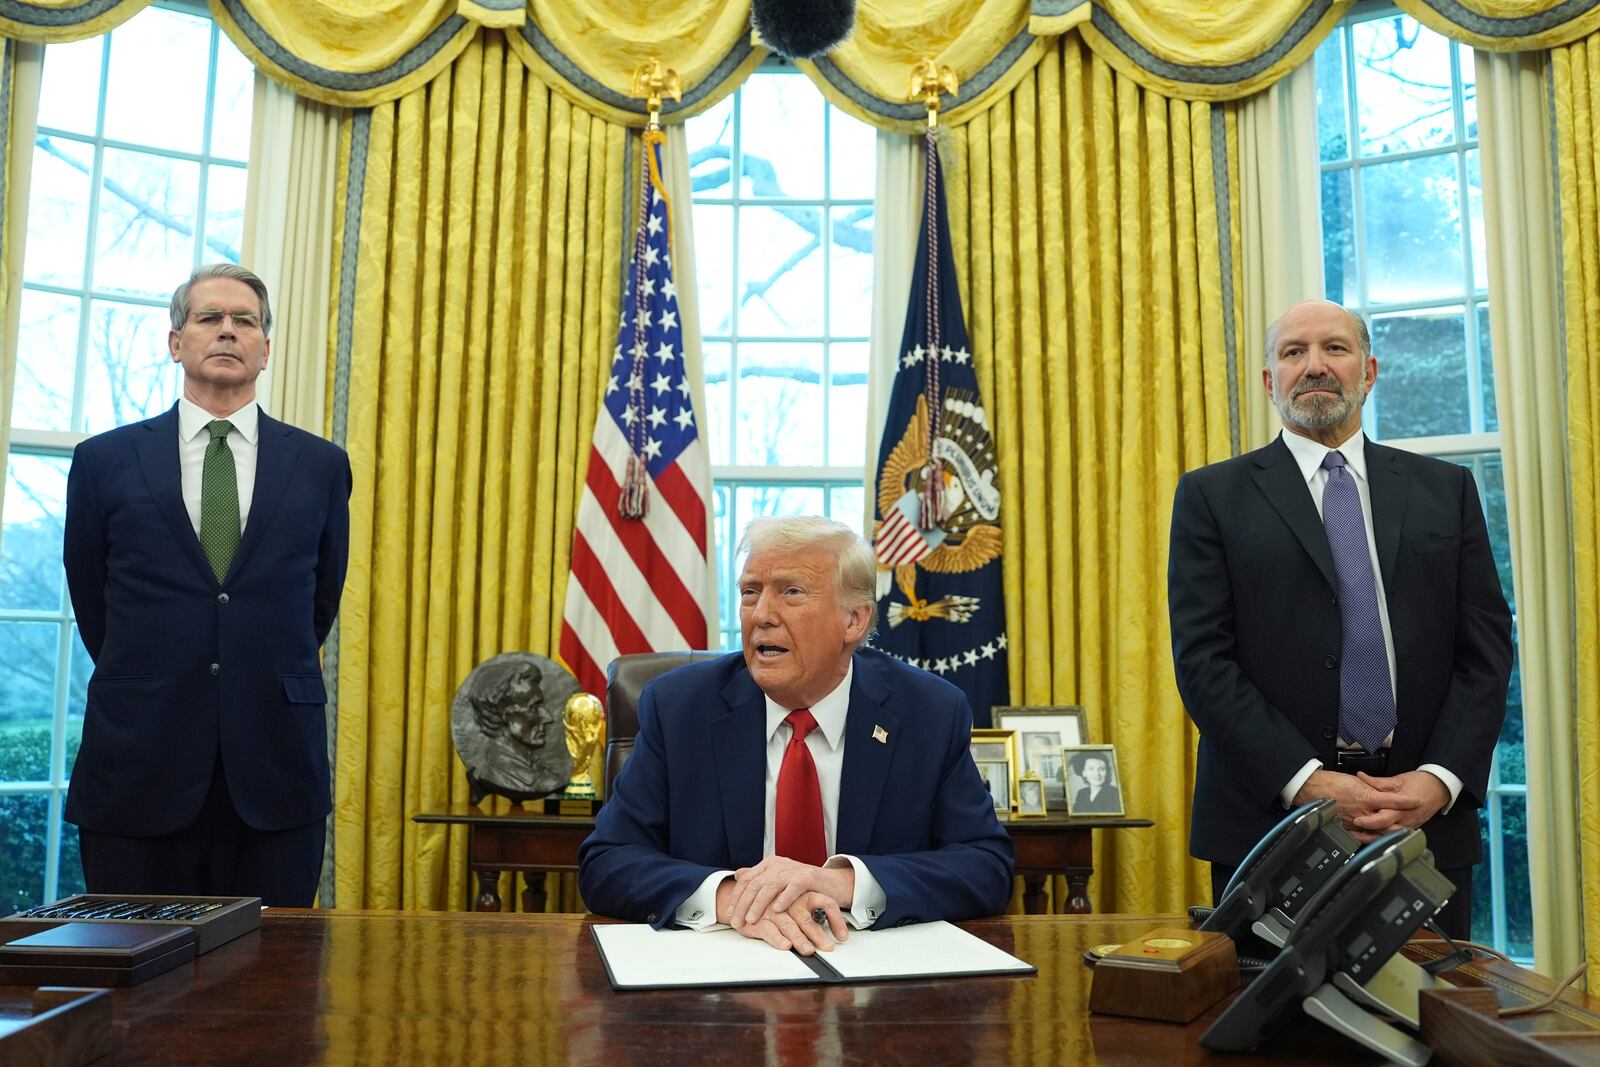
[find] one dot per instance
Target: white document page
(931, 949)
(642, 957)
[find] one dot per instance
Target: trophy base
(570, 806)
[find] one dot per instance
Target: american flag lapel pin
(880, 735)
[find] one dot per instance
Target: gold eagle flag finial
(928, 80)
(653, 82)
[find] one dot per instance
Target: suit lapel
(1279, 478)
(866, 760)
(276, 452)
(158, 459)
(1388, 487)
(739, 746)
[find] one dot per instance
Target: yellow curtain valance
(60, 21)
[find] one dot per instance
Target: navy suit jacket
(691, 800)
(1256, 637)
(186, 666)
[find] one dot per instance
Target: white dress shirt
(193, 438)
(1308, 454)
(826, 744)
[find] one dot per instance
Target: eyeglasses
(211, 318)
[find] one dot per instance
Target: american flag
(640, 577)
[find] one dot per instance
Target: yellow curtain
(59, 21)
(1575, 75)
(480, 262)
(1094, 226)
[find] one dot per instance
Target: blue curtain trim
(1219, 177)
(1204, 75)
(32, 15)
(341, 81)
(1525, 26)
(903, 110)
(588, 85)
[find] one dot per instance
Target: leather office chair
(625, 678)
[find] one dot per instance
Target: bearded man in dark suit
(1338, 627)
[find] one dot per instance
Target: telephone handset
(1336, 961)
(1282, 872)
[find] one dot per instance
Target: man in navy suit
(205, 552)
(801, 774)
(1326, 587)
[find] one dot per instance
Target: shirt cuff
(1451, 782)
(1292, 790)
(699, 912)
(869, 900)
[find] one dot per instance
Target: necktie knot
(802, 722)
(220, 428)
(1333, 461)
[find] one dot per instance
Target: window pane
(780, 272)
(22, 840)
(1518, 895)
(713, 241)
(1411, 213)
(235, 93)
(1468, 59)
(58, 212)
(780, 405)
(1480, 247)
(1402, 86)
(159, 104)
(847, 403)
(27, 697)
(781, 138)
(710, 143)
(751, 501)
(853, 158)
(1421, 389)
(69, 877)
(1341, 283)
(1491, 412)
(850, 273)
(31, 577)
(69, 95)
(145, 238)
(1333, 130)
(847, 503)
(130, 373)
(224, 214)
(717, 422)
(47, 360)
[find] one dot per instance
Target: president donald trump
(802, 776)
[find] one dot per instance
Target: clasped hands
(1370, 807)
(774, 900)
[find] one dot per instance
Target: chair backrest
(625, 678)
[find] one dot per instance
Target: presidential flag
(937, 534)
(641, 580)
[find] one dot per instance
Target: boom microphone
(802, 29)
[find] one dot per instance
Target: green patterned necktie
(219, 500)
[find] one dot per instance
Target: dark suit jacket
(692, 798)
(1256, 637)
(185, 666)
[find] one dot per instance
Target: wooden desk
(447, 988)
(535, 844)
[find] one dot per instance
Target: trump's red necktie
(797, 822)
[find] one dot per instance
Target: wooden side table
(536, 844)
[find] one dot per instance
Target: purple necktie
(1366, 699)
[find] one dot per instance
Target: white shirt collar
(192, 419)
(1308, 453)
(829, 712)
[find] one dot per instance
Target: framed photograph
(997, 780)
(1094, 785)
(1030, 796)
(1042, 732)
(989, 746)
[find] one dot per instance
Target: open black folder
(639, 957)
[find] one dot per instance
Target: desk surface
(472, 815)
(404, 988)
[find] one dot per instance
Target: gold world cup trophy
(585, 721)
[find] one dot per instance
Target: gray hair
(180, 295)
(1363, 334)
(857, 575)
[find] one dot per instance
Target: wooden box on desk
(1171, 974)
(233, 917)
